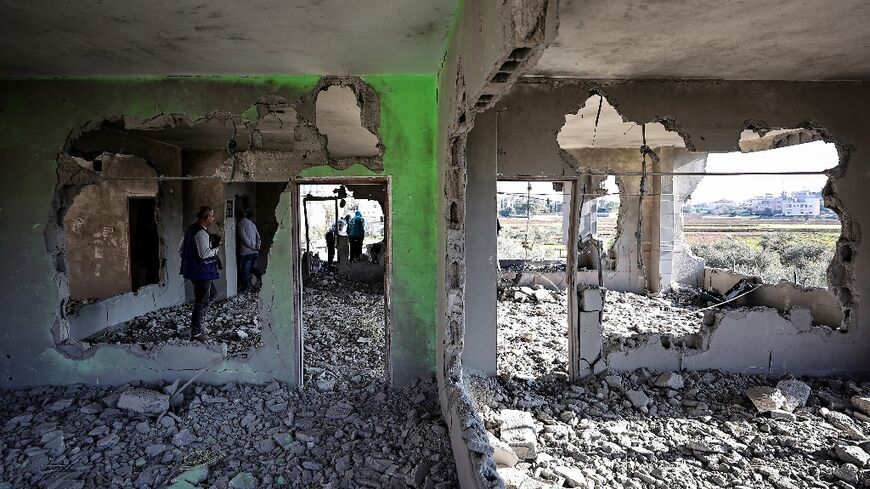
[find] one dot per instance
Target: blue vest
(192, 266)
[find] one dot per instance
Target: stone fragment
(795, 393)
(183, 438)
(59, 405)
(503, 454)
(637, 398)
(781, 415)
(155, 449)
(243, 480)
(53, 441)
(847, 473)
(573, 476)
(670, 380)
(542, 295)
(861, 403)
(765, 398)
(852, 455)
(194, 475)
(844, 423)
(143, 401)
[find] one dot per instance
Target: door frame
(296, 250)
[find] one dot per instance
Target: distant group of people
(352, 227)
(200, 263)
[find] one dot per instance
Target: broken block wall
(38, 115)
(711, 116)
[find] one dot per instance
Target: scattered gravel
(234, 321)
(344, 429)
(669, 429)
(344, 333)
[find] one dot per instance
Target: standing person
(330, 243)
(356, 232)
(199, 264)
(249, 250)
(332, 235)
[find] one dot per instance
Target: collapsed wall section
(758, 340)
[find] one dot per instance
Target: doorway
(144, 242)
(343, 324)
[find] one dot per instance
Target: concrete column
(590, 304)
(479, 352)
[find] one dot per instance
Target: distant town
(803, 203)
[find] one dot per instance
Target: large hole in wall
(655, 268)
(339, 119)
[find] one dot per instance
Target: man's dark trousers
(204, 292)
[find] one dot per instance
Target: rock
(518, 431)
(844, 423)
(637, 398)
(243, 480)
(107, 441)
(503, 453)
(670, 380)
(613, 381)
(143, 427)
(194, 475)
(285, 440)
(852, 455)
(59, 405)
(573, 477)
(155, 449)
(183, 438)
(143, 401)
(781, 415)
(795, 393)
(847, 473)
(765, 398)
(518, 479)
(861, 403)
(242, 334)
(53, 441)
(542, 295)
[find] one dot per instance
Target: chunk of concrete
(143, 401)
(503, 454)
(795, 393)
(852, 455)
(670, 380)
(861, 403)
(637, 398)
(522, 441)
(765, 398)
(573, 476)
(243, 480)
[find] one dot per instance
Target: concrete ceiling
(194, 37)
(580, 130)
(727, 39)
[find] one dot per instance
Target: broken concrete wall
(98, 234)
(489, 45)
(38, 116)
(711, 116)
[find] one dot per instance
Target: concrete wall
(98, 234)
(710, 116)
(38, 117)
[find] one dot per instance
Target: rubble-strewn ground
(234, 321)
(697, 429)
(630, 318)
(78, 437)
(344, 333)
(344, 430)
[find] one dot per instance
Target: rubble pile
(344, 338)
(629, 315)
(234, 321)
(688, 429)
(230, 436)
(532, 332)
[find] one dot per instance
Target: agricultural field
(796, 250)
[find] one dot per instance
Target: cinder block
(592, 299)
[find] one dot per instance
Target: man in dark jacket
(356, 233)
(199, 264)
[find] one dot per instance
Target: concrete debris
(503, 453)
(707, 433)
(234, 321)
(359, 434)
(766, 398)
(633, 316)
(344, 340)
(523, 294)
(144, 401)
(670, 380)
(398, 429)
(862, 403)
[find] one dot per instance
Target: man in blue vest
(199, 264)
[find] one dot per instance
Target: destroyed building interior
(448, 243)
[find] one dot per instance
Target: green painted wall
(36, 117)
